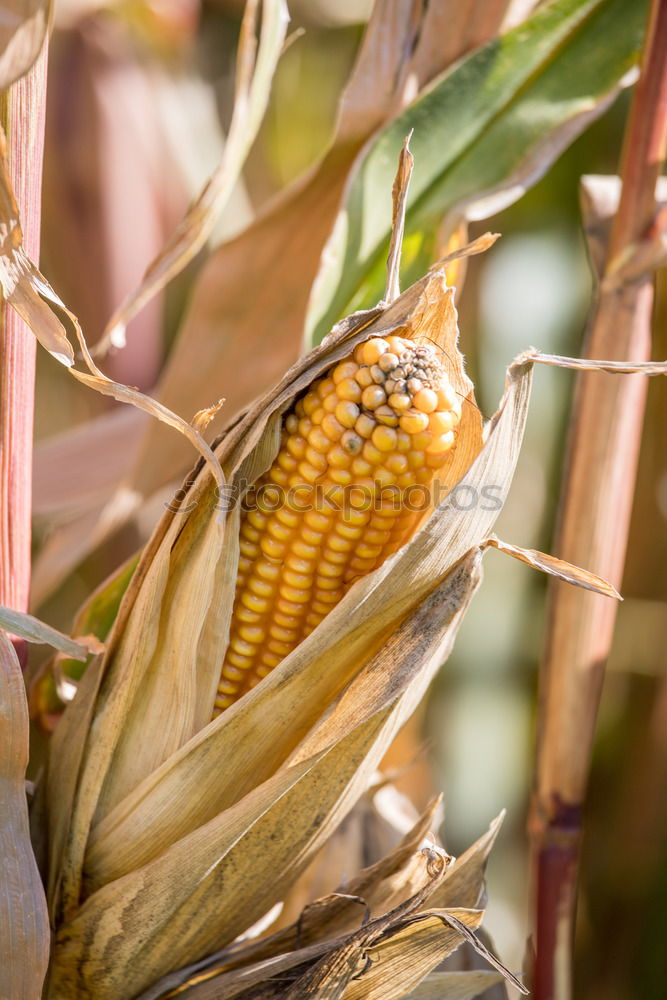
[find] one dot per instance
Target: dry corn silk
(360, 459)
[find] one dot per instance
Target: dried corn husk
(170, 813)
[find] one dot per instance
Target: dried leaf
(133, 759)
(399, 195)
(253, 84)
(32, 629)
(556, 567)
(45, 314)
(22, 34)
(455, 985)
(590, 365)
(24, 925)
(237, 968)
(69, 479)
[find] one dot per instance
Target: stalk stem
(594, 518)
(22, 110)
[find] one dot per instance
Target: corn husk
(170, 813)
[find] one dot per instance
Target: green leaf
(483, 133)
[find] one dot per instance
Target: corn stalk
(22, 112)
(595, 509)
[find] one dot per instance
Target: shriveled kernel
(414, 385)
(373, 349)
(387, 362)
(373, 396)
(425, 400)
(377, 374)
(347, 412)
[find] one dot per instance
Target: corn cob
(371, 430)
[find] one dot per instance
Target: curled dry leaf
(169, 807)
(256, 64)
(31, 296)
(33, 630)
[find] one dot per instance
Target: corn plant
(221, 710)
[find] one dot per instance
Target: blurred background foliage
(139, 99)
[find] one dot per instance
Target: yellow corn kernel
(379, 421)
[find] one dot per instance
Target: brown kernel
(351, 442)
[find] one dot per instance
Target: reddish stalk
(595, 508)
(23, 111)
